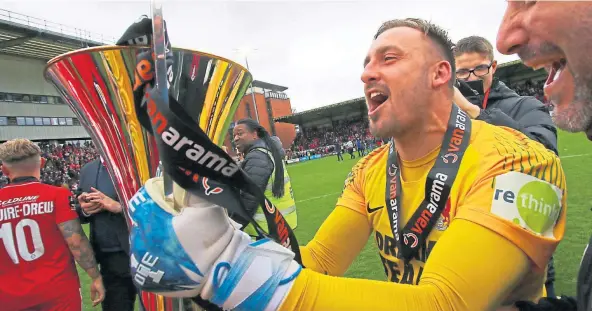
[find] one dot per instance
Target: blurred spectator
(350, 149)
(360, 146)
(338, 148)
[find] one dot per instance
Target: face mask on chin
(473, 91)
(471, 88)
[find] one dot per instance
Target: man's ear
(43, 162)
(442, 73)
(493, 67)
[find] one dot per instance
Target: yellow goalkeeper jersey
(508, 188)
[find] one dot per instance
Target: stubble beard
(577, 116)
(387, 130)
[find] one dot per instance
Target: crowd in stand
(324, 140)
(321, 140)
(530, 88)
(63, 163)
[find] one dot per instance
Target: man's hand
(83, 254)
(97, 291)
(88, 207)
(465, 105)
(104, 201)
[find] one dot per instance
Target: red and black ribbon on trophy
(200, 167)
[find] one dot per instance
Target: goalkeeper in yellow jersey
(465, 215)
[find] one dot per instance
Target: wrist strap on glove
(257, 278)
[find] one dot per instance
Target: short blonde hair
(18, 150)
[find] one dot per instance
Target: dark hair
(438, 35)
(278, 181)
(474, 44)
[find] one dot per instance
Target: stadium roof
(352, 106)
(33, 37)
(269, 86)
(516, 71)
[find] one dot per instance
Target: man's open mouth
(375, 99)
(555, 71)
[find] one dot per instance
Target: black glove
(564, 303)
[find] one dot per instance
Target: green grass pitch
(318, 183)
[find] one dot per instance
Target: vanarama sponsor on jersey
(194, 152)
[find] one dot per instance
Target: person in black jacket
(339, 151)
(99, 206)
(499, 105)
(250, 137)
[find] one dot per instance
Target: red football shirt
(35, 262)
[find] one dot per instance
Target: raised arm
(84, 256)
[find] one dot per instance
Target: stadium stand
(29, 106)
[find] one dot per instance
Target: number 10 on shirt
(7, 237)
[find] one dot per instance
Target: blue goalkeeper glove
(199, 251)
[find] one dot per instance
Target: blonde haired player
(41, 235)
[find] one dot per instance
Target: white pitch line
(574, 155)
(319, 197)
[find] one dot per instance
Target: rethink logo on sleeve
(527, 201)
